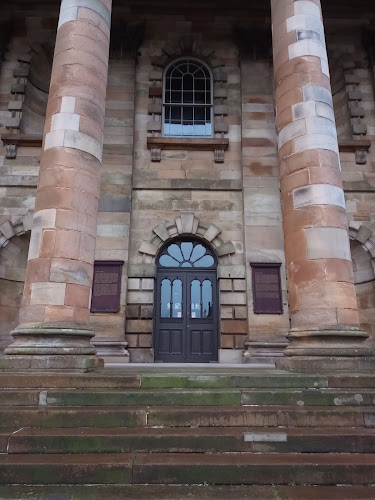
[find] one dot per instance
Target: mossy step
(266, 416)
(262, 469)
(178, 492)
(191, 440)
(207, 378)
(187, 397)
(17, 417)
(221, 381)
(181, 468)
(205, 416)
(309, 397)
(19, 397)
(174, 397)
(101, 379)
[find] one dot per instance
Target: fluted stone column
(54, 328)
(323, 305)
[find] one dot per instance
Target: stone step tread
(189, 390)
(89, 380)
(204, 416)
(178, 492)
(187, 397)
(257, 380)
(191, 440)
(218, 376)
(186, 431)
(185, 468)
(191, 459)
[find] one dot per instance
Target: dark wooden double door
(186, 316)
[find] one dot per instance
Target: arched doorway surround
(186, 303)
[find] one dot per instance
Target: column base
(263, 352)
(79, 364)
(322, 365)
(338, 341)
(326, 350)
(40, 348)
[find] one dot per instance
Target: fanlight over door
(186, 304)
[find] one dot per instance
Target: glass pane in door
(195, 298)
(207, 303)
(165, 299)
(177, 299)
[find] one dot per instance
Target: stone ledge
(351, 146)
(188, 143)
(28, 140)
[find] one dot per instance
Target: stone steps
(188, 397)
(16, 417)
(178, 492)
(192, 468)
(213, 427)
(162, 378)
(188, 440)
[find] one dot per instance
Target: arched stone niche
(363, 257)
(14, 247)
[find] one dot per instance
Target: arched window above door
(187, 99)
(187, 254)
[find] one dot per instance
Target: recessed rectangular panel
(164, 341)
(207, 342)
(176, 342)
(195, 342)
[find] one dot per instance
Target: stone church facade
(187, 183)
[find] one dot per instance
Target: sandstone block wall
(261, 188)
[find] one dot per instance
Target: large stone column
(323, 306)
(54, 328)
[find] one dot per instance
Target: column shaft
(54, 322)
(323, 305)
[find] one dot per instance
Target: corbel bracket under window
(157, 144)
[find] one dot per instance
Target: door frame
(164, 272)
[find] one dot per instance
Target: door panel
(171, 342)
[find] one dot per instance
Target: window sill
(157, 144)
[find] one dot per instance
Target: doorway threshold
(161, 367)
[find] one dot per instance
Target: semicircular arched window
(187, 254)
(187, 99)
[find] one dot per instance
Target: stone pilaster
(323, 306)
(54, 328)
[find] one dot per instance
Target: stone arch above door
(186, 224)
